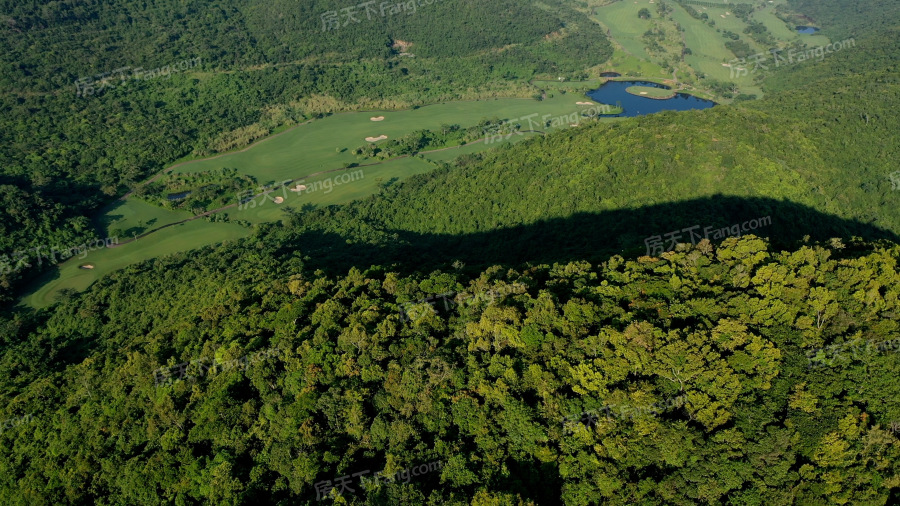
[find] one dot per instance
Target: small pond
(613, 93)
(178, 196)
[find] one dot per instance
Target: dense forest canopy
(502, 330)
(545, 384)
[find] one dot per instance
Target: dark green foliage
(740, 48)
(843, 18)
(262, 65)
(702, 357)
(448, 135)
(494, 386)
(203, 191)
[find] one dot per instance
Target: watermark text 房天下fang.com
(505, 130)
(90, 85)
(591, 417)
(413, 310)
(20, 258)
(655, 244)
(817, 357)
(894, 177)
(247, 198)
(342, 484)
(758, 61)
(164, 377)
(15, 422)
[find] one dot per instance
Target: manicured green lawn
(134, 217)
(345, 186)
(706, 45)
(650, 92)
(621, 18)
(627, 64)
(775, 25)
(328, 143)
(320, 146)
(184, 237)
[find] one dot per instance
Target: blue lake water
(613, 93)
(806, 30)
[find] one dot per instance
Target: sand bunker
(86, 266)
(584, 103)
(376, 139)
(278, 200)
(299, 188)
(377, 118)
(643, 93)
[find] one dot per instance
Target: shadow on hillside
(583, 236)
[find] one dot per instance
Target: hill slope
(677, 380)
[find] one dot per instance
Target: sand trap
(573, 124)
(299, 188)
(376, 139)
(86, 266)
(278, 200)
(723, 16)
(726, 64)
(377, 118)
(643, 93)
(584, 103)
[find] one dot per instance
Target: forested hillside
(816, 160)
(583, 317)
(841, 18)
(876, 56)
(685, 379)
(252, 67)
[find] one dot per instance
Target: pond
(613, 93)
(807, 30)
(178, 196)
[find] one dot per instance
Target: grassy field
(134, 217)
(313, 151)
(321, 147)
(707, 47)
(781, 30)
(650, 92)
(328, 143)
(626, 27)
(630, 65)
(447, 155)
(707, 43)
(338, 187)
(184, 237)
